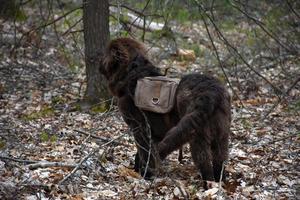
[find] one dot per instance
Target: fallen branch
(17, 160)
(32, 164)
(140, 22)
(45, 164)
(181, 189)
(220, 180)
(279, 139)
(86, 157)
(103, 139)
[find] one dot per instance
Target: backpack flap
(156, 94)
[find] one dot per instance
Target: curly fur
(201, 116)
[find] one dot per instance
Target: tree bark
(96, 37)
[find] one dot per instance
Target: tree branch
(45, 164)
(86, 157)
(18, 160)
(226, 42)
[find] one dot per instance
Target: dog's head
(119, 55)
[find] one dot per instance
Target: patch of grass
(194, 189)
(165, 32)
(77, 107)
(2, 144)
(273, 19)
(11, 10)
(196, 48)
(53, 138)
(228, 25)
(66, 57)
(102, 158)
(250, 41)
(45, 137)
(57, 100)
(246, 123)
(46, 111)
(182, 15)
(99, 108)
(294, 107)
(222, 78)
(20, 16)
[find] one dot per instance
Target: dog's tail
(195, 122)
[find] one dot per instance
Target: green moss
(182, 15)
(273, 19)
(228, 25)
(57, 100)
(196, 49)
(44, 137)
(246, 123)
(100, 108)
(46, 111)
(165, 32)
(2, 144)
(11, 9)
(77, 107)
(222, 78)
(53, 138)
(102, 158)
(20, 15)
(294, 107)
(67, 56)
(194, 190)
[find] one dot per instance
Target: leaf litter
(36, 127)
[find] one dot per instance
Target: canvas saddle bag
(156, 94)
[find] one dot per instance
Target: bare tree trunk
(96, 36)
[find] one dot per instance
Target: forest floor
(42, 141)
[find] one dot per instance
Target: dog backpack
(156, 94)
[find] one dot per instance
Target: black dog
(200, 117)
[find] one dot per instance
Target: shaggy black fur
(201, 116)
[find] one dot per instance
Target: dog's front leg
(145, 159)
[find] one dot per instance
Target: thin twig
(224, 39)
(219, 60)
(135, 11)
(71, 27)
(178, 185)
(45, 164)
(292, 9)
(147, 3)
(44, 25)
(281, 98)
(220, 180)
(259, 23)
(87, 156)
(148, 130)
(277, 140)
(18, 160)
(103, 139)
